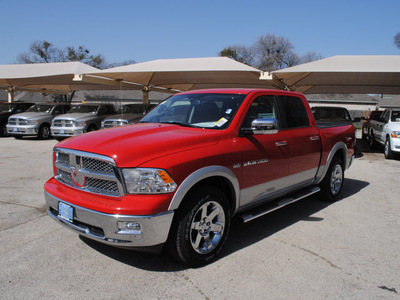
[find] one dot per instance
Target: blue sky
(147, 30)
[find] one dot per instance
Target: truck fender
(323, 169)
(201, 174)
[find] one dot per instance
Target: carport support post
(146, 92)
(11, 92)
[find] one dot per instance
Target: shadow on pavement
(241, 235)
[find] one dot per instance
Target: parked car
(374, 115)
(7, 109)
(80, 119)
(127, 114)
(386, 131)
(36, 121)
(328, 115)
(195, 161)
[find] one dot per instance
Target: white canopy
(189, 73)
(345, 74)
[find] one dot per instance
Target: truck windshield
(5, 107)
(208, 110)
(396, 116)
(44, 108)
(83, 109)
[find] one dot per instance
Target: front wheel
(200, 227)
(332, 184)
(388, 149)
(44, 132)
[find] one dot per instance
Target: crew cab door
(383, 120)
(280, 160)
(303, 141)
(265, 157)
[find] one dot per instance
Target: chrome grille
(91, 164)
(88, 172)
(102, 187)
(16, 121)
(63, 123)
(114, 123)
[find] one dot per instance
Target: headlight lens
(395, 134)
(148, 181)
(32, 122)
(79, 123)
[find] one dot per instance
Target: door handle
(314, 138)
(280, 144)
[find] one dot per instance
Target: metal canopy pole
(11, 94)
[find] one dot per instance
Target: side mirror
(264, 126)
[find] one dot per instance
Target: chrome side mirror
(264, 126)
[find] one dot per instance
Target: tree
(396, 40)
(269, 53)
(45, 52)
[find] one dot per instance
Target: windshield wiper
(177, 123)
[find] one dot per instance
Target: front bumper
(25, 130)
(104, 227)
(395, 144)
(67, 131)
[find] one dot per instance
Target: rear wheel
(332, 184)
(388, 150)
(200, 227)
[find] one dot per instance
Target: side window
(294, 113)
(263, 107)
(109, 110)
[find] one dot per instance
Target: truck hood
(75, 116)
(133, 145)
(31, 115)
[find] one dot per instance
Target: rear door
(303, 141)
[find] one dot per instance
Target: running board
(271, 206)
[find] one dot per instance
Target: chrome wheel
(207, 227)
(336, 179)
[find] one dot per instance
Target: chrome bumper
(153, 229)
(67, 131)
(22, 130)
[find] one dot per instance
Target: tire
(200, 227)
(388, 150)
(91, 128)
(371, 141)
(18, 137)
(332, 184)
(3, 130)
(44, 132)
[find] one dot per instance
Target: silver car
(127, 114)
(36, 120)
(80, 119)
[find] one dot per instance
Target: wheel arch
(218, 176)
(340, 149)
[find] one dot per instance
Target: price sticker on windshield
(221, 122)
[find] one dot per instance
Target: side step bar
(270, 207)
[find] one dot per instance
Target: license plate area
(15, 129)
(62, 131)
(66, 212)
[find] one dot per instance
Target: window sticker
(228, 111)
(221, 122)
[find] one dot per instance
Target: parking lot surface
(349, 249)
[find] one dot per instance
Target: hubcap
(336, 179)
(207, 227)
(387, 148)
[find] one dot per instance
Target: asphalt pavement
(349, 249)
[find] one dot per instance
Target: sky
(124, 30)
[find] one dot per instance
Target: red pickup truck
(179, 176)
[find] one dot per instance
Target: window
(262, 108)
(294, 112)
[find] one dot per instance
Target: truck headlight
(80, 123)
(148, 181)
(395, 134)
(32, 122)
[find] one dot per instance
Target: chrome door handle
(314, 138)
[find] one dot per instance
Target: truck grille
(17, 121)
(88, 172)
(63, 123)
(114, 123)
